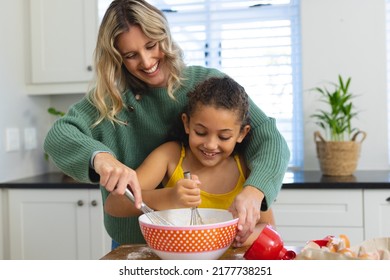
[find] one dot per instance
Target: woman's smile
(142, 57)
(153, 69)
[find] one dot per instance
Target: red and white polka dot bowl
(185, 242)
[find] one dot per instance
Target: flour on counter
(141, 254)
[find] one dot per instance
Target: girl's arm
(150, 174)
(121, 206)
(154, 169)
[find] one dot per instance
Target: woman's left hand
(246, 206)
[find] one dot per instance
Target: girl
(216, 123)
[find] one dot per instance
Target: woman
(141, 87)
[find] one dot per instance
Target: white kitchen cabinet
(56, 224)
(2, 223)
(302, 215)
(377, 213)
(63, 37)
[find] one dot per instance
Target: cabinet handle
(94, 203)
(89, 68)
(388, 199)
(80, 203)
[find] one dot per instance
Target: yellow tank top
(210, 200)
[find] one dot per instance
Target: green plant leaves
(55, 112)
(337, 121)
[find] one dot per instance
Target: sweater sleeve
(267, 155)
(70, 142)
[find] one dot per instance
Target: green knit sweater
(72, 140)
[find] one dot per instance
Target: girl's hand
(187, 192)
(246, 206)
(116, 177)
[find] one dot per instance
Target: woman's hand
(246, 206)
(115, 176)
(187, 193)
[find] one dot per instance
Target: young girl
(216, 122)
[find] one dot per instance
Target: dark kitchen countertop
(372, 179)
(48, 181)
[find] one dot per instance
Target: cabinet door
(377, 213)
(100, 241)
(303, 215)
(49, 224)
(2, 227)
(63, 35)
(298, 235)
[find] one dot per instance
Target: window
(255, 42)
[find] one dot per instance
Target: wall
(338, 37)
(347, 37)
(344, 37)
(18, 110)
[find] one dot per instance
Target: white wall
(18, 110)
(347, 37)
(338, 37)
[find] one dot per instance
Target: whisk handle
(129, 195)
(187, 175)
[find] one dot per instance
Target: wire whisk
(154, 217)
(196, 219)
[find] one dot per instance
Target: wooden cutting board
(143, 252)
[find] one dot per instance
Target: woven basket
(338, 158)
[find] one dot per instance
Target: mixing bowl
(182, 241)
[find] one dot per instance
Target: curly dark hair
(223, 93)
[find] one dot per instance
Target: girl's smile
(213, 134)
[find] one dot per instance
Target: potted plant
(53, 111)
(339, 155)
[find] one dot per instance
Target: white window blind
(255, 42)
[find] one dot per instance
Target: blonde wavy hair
(112, 78)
